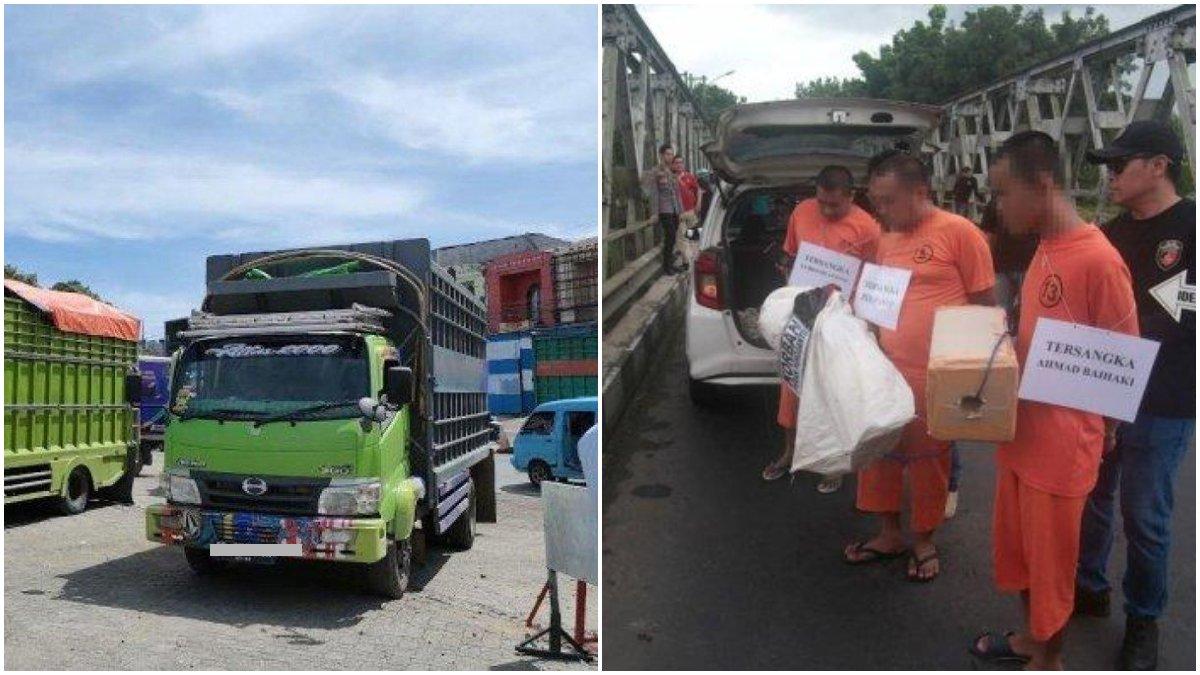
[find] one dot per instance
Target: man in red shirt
(829, 220)
(1044, 475)
(950, 265)
(689, 187)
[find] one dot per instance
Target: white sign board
(570, 531)
(1085, 368)
(818, 266)
(881, 293)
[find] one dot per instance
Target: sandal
(873, 555)
(999, 649)
(774, 472)
(915, 574)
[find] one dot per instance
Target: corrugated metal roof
(483, 251)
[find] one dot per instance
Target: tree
(11, 272)
(932, 61)
(831, 87)
(76, 286)
(713, 99)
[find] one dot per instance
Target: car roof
(582, 403)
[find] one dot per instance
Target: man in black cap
(1156, 235)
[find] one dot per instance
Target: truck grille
(284, 495)
(26, 480)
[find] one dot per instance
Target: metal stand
(555, 633)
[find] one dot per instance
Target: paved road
(89, 592)
(706, 566)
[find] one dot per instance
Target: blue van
(547, 447)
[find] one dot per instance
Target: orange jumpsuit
(856, 234)
(1043, 476)
(949, 259)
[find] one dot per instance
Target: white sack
(775, 312)
(854, 404)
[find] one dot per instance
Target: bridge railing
(1083, 99)
(645, 104)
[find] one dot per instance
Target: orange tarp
(77, 313)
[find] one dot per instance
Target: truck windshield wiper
(292, 415)
(218, 414)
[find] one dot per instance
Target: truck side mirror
(398, 385)
(133, 388)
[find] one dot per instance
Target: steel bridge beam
(645, 103)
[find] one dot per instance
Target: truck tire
(147, 456)
(539, 471)
(461, 534)
(78, 492)
(201, 562)
(389, 576)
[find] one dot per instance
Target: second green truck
(328, 404)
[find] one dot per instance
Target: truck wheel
(201, 562)
(79, 490)
(461, 534)
(538, 472)
(389, 576)
(147, 457)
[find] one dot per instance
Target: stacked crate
(566, 362)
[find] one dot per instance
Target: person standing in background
(662, 185)
(1156, 236)
(965, 187)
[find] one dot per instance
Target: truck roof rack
(357, 319)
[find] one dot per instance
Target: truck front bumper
(362, 540)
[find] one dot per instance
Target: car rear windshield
(764, 142)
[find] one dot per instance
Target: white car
(767, 157)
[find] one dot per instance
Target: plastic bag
(854, 404)
(786, 321)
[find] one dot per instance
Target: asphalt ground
(708, 567)
(89, 592)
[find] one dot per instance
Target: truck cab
(547, 446)
(329, 429)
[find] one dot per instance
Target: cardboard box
(964, 339)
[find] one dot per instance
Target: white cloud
(69, 193)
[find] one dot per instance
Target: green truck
(328, 404)
(70, 400)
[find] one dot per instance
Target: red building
(520, 291)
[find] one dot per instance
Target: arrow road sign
(1175, 296)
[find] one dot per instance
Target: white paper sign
(881, 293)
(1085, 368)
(818, 266)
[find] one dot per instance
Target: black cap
(1145, 137)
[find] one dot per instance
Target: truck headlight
(180, 489)
(348, 498)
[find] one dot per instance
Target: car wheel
(539, 471)
(461, 534)
(389, 576)
(703, 394)
(202, 562)
(78, 491)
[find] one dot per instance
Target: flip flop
(917, 563)
(828, 486)
(773, 472)
(999, 649)
(874, 555)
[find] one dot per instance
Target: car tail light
(707, 268)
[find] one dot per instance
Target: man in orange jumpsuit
(1044, 475)
(832, 221)
(950, 265)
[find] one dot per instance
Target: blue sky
(140, 139)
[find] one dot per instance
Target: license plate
(255, 550)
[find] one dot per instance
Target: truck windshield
(240, 378)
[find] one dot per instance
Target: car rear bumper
(717, 353)
(362, 540)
